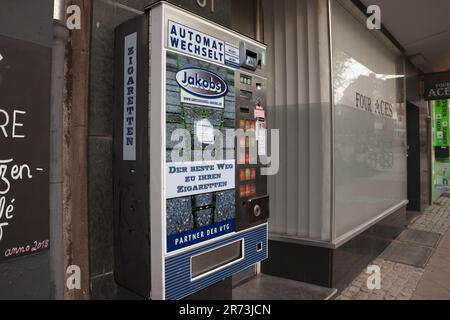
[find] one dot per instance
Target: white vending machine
(191, 205)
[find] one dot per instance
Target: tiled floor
(403, 281)
(407, 253)
(435, 282)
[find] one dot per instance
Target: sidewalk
(435, 282)
(403, 281)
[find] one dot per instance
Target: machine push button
(257, 210)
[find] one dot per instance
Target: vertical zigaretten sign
(129, 103)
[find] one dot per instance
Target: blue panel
(178, 268)
(199, 235)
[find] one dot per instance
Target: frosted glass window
(370, 123)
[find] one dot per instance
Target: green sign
(441, 122)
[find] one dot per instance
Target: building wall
(340, 168)
(299, 106)
(339, 197)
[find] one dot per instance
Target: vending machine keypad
(251, 193)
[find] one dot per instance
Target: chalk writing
(12, 172)
(9, 173)
(25, 99)
(10, 124)
(32, 247)
(11, 128)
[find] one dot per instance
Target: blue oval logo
(202, 83)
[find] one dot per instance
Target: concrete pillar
(75, 151)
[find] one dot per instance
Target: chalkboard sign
(25, 74)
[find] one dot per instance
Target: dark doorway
(413, 138)
(428, 180)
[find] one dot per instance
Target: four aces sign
(25, 70)
(437, 86)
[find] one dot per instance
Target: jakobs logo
(202, 83)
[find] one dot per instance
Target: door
(427, 168)
(413, 139)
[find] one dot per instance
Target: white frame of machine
(159, 16)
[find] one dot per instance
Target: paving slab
(417, 264)
(435, 282)
(419, 237)
(407, 253)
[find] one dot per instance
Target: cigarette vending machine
(191, 205)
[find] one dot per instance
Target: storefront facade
(338, 93)
(437, 93)
(339, 100)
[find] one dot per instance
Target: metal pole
(332, 123)
(59, 10)
(60, 37)
(259, 23)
